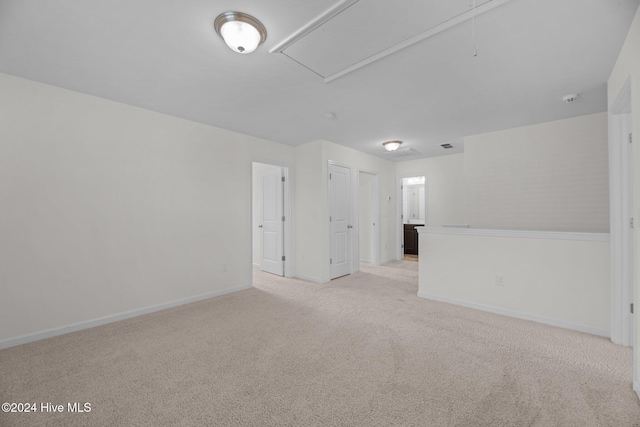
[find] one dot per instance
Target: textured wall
(550, 176)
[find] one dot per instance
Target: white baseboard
(310, 278)
(24, 339)
(517, 314)
(367, 261)
(256, 264)
(636, 388)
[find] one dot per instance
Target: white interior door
(340, 220)
(272, 225)
(367, 235)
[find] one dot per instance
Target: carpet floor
(363, 350)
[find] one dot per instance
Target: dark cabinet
(411, 239)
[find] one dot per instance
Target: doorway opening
(412, 208)
(271, 240)
(368, 229)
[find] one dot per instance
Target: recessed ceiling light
(391, 145)
(241, 32)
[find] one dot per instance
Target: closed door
(340, 220)
(272, 225)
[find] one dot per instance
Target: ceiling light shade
(391, 145)
(241, 32)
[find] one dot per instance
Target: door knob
(259, 225)
(349, 226)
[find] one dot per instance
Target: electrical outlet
(499, 280)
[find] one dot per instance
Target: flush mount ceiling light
(391, 145)
(241, 32)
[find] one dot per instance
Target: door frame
(621, 186)
(352, 268)
(623, 277)
(376, 216)
(399, 222)
(289, 250)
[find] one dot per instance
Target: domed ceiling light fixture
(241, 32)
(391, 145)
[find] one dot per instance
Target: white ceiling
(164, 55)
(342, 39)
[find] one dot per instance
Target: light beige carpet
(360, 351)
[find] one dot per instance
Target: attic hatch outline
(344, 5)
(403, 152)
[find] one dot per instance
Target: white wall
(107, 208)
(552, 280)
(312, 207)
(309, 211)
(628, 66)
(444, 187)
(366, 217)
(548, 176)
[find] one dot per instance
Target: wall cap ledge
(524, 234)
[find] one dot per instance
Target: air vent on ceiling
(403, 152)
(447, 145)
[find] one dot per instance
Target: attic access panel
(357, 32)
(403, 152)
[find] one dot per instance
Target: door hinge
(330, 219)
(283, 179)
(402, 246)
(630, 138)
(282, 217)
(631, 224)
(402, 187)
(631, 308)
(330, 261)
(283, 257)
(329, 176)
